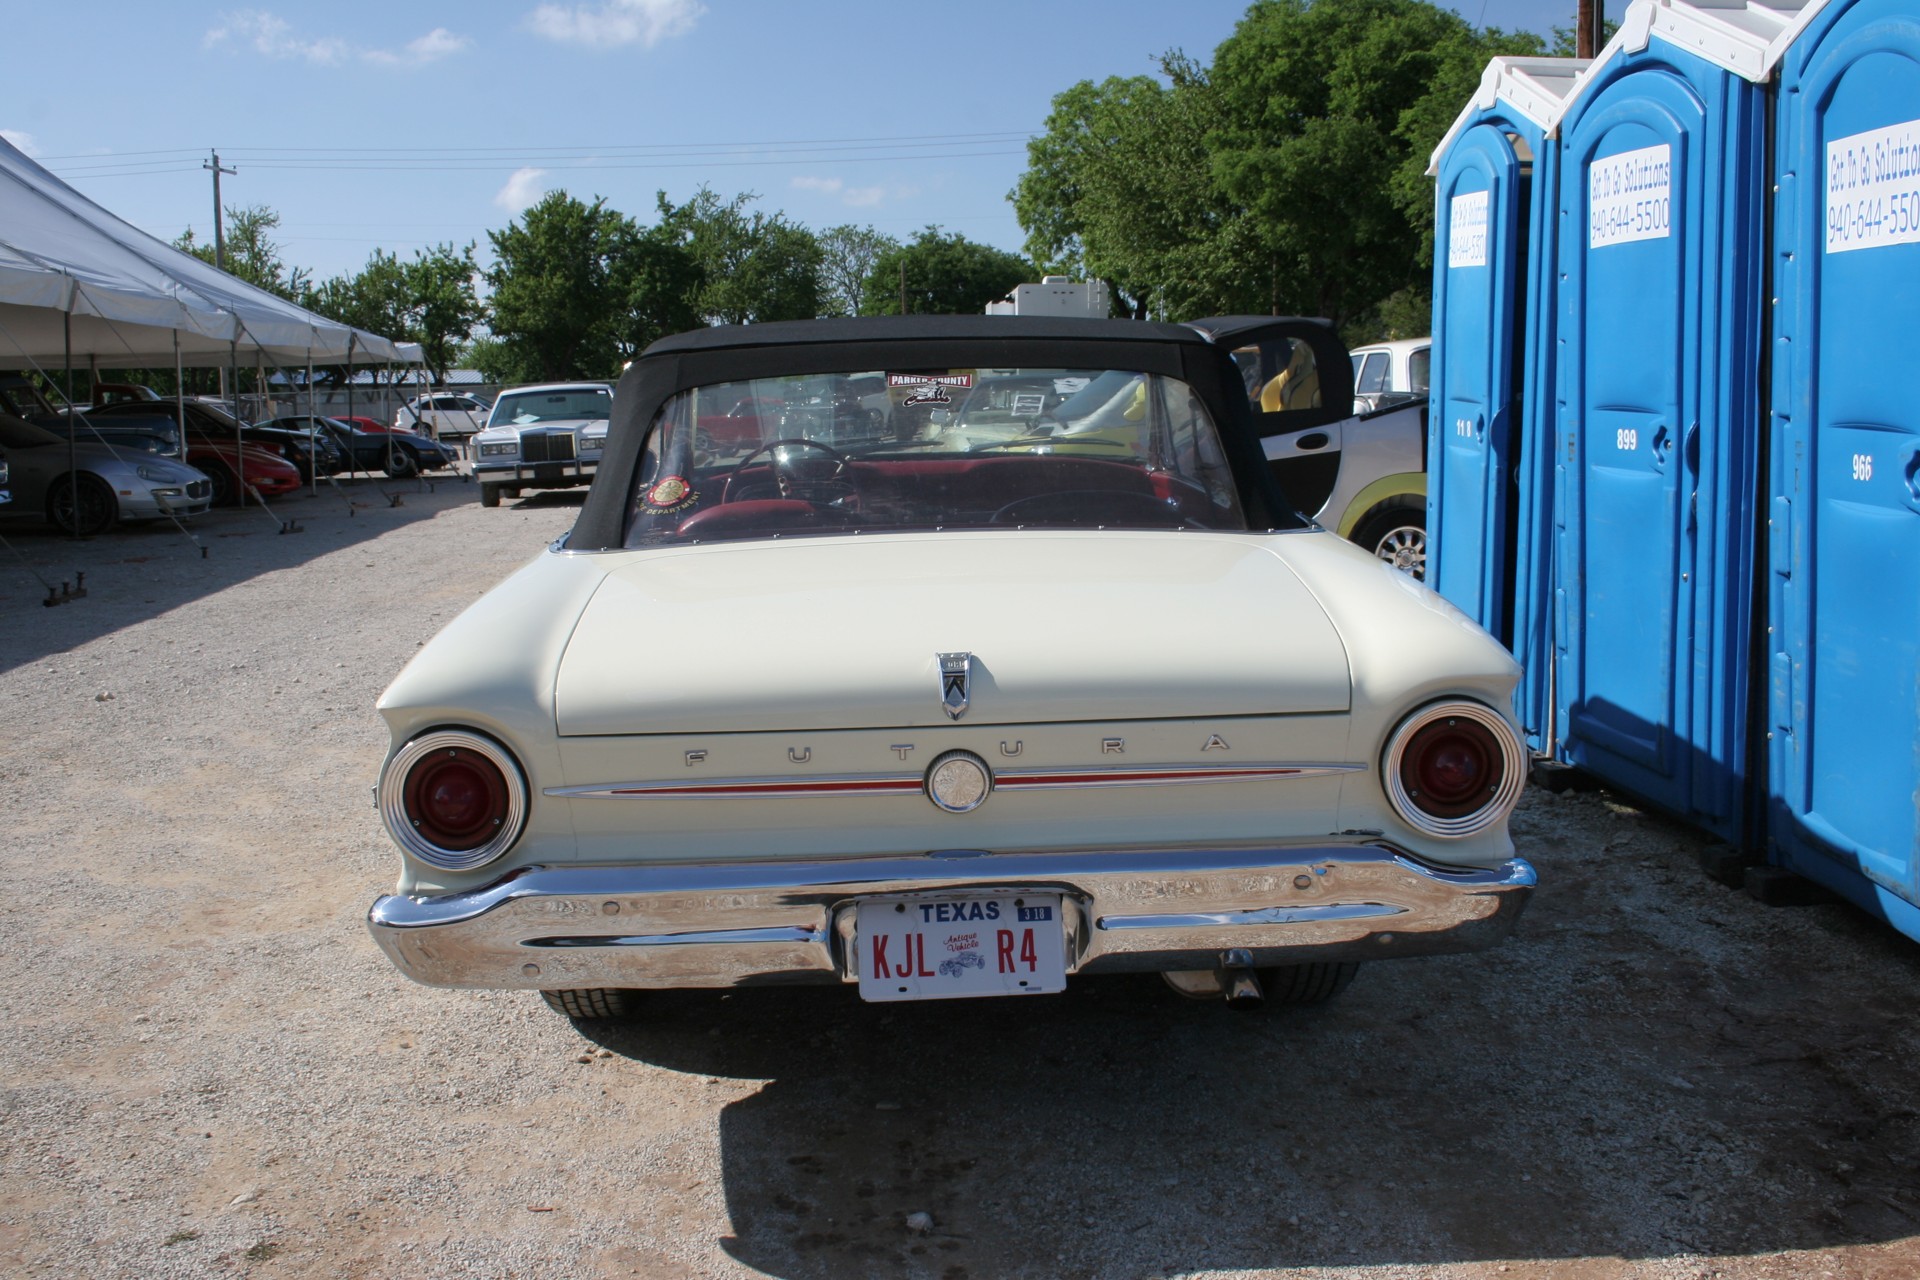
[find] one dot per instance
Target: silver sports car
(86, 487)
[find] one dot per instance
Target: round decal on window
(668, 495)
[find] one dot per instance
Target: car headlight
(495, 450)
(592, 444)
(151, 473)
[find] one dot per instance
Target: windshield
(522, 408)
(932, 449)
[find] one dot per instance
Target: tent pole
(239, 442)
(180, 399)
(73, 428)
(353, 460)
(313, 428)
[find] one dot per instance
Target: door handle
(1314, 440)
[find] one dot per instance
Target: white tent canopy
(73, 273)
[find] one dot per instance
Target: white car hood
(843, 633)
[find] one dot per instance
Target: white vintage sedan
(938, 692)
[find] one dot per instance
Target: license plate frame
(960, 946)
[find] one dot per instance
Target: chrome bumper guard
(534, 474)
(760, 923)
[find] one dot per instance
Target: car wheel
(223, 486)
(512, 492)
(1399, 537)
(401, 465)
(1313, 983)
(593, 1003)
(489, 494)
(92, 512)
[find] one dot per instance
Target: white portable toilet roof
(1536, 88)
(1744, 37)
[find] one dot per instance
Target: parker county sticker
(929, 388)
(669, 495)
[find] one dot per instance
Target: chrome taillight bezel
(1501, 798)
(400, 824)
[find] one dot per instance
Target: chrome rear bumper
(738, 924)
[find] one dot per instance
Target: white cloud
(616, 22)
(22, 141)
(858, 197)
(270, 36)
(436, 44)
(522, 192)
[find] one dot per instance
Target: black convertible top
(729, 353)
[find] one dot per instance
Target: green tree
(847, 257)
(251, 254)
(442, 306)
(751, 267)
(942, 275)
(1120, 186)
(1329, 113)
(559, 292)
(658, 280)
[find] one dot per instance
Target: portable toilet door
(1489, 431)
(1662, 170)
(1844, 699)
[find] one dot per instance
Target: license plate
(548, 472)
(944, 948)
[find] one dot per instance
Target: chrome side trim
(746, 923)
(884, 784)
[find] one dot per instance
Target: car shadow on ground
(140, 571)
(1449, 1110)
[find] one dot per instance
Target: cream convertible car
(942, 694)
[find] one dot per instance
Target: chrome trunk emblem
(956, 670)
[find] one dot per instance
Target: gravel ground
(208, 1068)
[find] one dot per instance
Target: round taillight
(453, 798)
(1454, 769)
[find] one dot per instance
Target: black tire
(97, 508)
(489, 494)
(224, 487)
(1312, 983)
(402, 465)
(1398, 536)
(591, 1004)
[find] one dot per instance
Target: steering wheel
(793, 486)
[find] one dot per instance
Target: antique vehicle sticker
(929, 388)
(668, 495)
(1467, 230)
(1873, 188)
(1630, 197)
(1029, 404)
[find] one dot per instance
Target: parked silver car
(86, 487)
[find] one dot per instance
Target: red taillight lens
(1454, 769)
(456, 799)
(1451, 767)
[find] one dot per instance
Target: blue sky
(402, 124)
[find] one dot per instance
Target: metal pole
(313, 424)
(239, 442)
(353, 459)
(1586, 28)
(73, 428)
(180, 398)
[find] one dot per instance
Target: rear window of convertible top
(931, 449)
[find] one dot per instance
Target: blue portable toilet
(1843, 703)
(1662, 298)
(1489, 428)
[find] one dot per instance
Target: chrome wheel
(1405, 548)
(90, 512)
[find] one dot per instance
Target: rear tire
(401, 465)
(93, 514)
(1399, 537)
(224, 487)
(489, 494)
(1313, 983)
(592, 1004)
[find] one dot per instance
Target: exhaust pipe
(1239, 984)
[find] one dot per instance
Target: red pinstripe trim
(1092, 778)
(879, 785)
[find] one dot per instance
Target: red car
(266, 472)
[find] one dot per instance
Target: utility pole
(1588, 27)
(219, 220)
